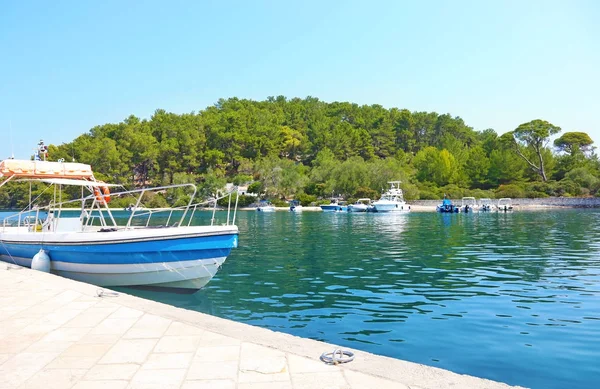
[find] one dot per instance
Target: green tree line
(307, 148)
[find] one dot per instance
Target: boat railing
(95, 211)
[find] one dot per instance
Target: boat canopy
(19, 168)
(67, 181)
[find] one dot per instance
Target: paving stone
(174, 344)
(66, 335)
(217, 353)
(213, 370)
(124, 371)
(42, 346)
(129, 351)
(54, 379)
(5, 357)
(181, 329)
(263, 360)
(90, 318)
(331, 380)
(306, 365)
(148, 326)
(86, 350)
(18, 343)
(72, 362)
(126, 313)
(106, 384)
(213, 339)
(268, 385)
(168, 361)
(209, 384)
(23, 366)
(113, 326)
(99, 338)
(158, 378)
(359, 380)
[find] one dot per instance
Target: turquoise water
(510, 297)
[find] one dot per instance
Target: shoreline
(426, 208)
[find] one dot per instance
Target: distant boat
(468, 204)
(361, 205)
(392, 200)
(485, 205)
(265, 206)
(335, 205)
(504, 205)
(447, 207)
(133, 207)
(295, 206)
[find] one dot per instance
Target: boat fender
(41, 261)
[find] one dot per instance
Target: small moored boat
(335, 205)
(504, 205)
(485, 205)
(295, 206)
(468, 204)
(265, 206)
(392, 200)
(361, 205)
(447, 207)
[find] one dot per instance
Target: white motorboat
(504, 205)
(361, 205)
(468, 204)
(392, 200)
(485, 205)
(265, 206)
(295, 206)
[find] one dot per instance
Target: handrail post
(237, 198)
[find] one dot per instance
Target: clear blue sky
(66, 66)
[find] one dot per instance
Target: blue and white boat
(335, 205)
(95, 248)
(447, 207)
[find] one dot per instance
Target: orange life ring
(106, 193)
(103, 196)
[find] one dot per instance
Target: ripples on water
(510, 297)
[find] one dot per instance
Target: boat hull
(185, 257)
(391, 207)
(357, 208)
(334, 208)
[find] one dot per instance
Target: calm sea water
(510, 297)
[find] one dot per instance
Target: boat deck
(60, 333)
